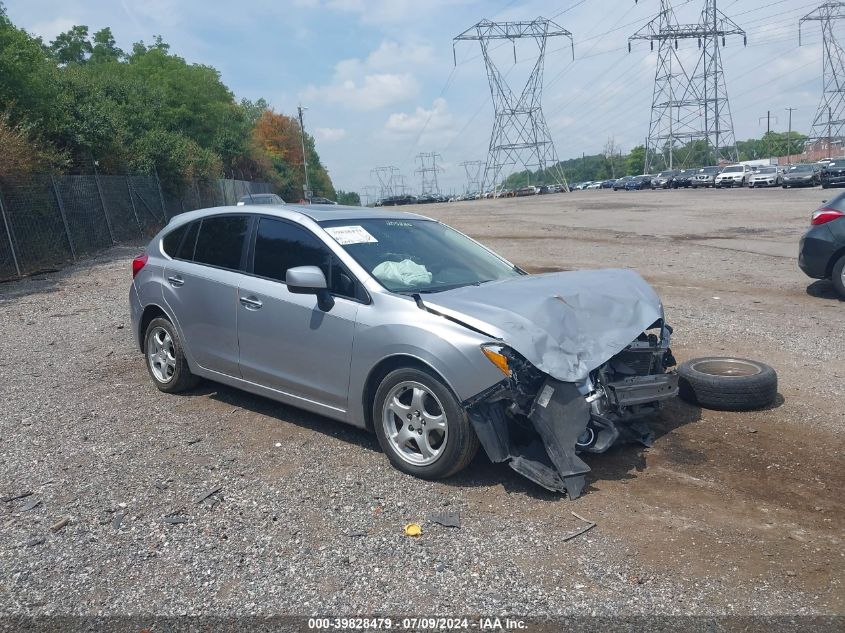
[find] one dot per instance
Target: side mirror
(310, 280)
(305, 279)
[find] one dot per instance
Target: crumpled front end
(541, 426)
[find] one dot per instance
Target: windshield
(264, 198)
(767, 170)
(410, 255)
(838, 164)
(732, 170)
(801, 168)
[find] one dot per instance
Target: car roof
(317, 212)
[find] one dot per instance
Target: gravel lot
(728, 513)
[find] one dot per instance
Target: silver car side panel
(291, 345)
(206, 306)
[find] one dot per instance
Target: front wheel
(421, 426)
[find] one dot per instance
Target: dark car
(664, 179)
(821, 254)
(608, 184)
(705, 177)
(620, 183)
(260, 198)
(833, 174)
(801, 176)
(321, 200)
(639, 182)
(684, 179)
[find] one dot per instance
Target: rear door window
(221, 241)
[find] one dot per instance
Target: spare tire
(726, 383)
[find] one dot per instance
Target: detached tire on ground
(726, 383)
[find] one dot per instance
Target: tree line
(80, 102)
(612, 163)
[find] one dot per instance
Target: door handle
(176, 281)
(251, 303)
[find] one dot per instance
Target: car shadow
(823, 289)
(233, 397)
(621, 462)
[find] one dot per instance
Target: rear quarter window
(171, 242)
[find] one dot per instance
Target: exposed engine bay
(539, 425)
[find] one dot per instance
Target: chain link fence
(51, 220)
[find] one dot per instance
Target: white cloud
(429, 125)
(50, 29)
(379, 80)
(329, 134)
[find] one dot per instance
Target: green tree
(73, 46)
(350, 198)
(104, 48)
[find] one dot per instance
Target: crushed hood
(566, 324)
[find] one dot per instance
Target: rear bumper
(815, 251)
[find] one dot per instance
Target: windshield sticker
(345, 235)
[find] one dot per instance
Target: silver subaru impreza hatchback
(399, 324)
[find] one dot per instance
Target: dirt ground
(744, 495)
(726, 513)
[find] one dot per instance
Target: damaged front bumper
(539, 425)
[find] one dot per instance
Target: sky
(381, 85)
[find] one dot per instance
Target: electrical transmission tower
(830, 117)
(386, 177)
(473, 170)
(520, 135)
(688, 108)
(428, 173)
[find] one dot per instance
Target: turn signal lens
(823, 216)
(494, 355)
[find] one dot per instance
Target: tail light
(138, 263)
(823, 216)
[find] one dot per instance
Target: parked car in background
(706, 177)
(620, 183)
(594, 185)
(321, 200)
(801, 176)
(260, 198)
(684, 179)
(664, 179)
(396, 323)
(526, 191)
(766, 177)
(833, 174)
(733, 176)
(608, 184)
(637, 183)
(821, 254)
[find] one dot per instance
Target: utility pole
(306, 190)
(473, 171)
(829, 127)
(520, 134)
(789, 137)
(768, 118)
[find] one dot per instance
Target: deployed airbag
(406, 273)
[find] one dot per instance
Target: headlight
(495, 356)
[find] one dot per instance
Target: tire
(838, 276)
(169, 361)
(456, 447)
(727, 384)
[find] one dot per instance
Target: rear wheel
(421, 426)
(165, 358)
(838, 276)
